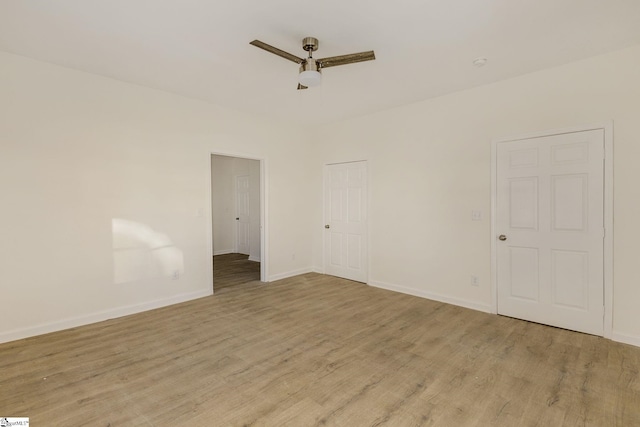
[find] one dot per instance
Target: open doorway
(236, 219)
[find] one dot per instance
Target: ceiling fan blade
(352, 58)
(276, 51)
(302, 87)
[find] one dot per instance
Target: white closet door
(345, 212)
(550, 226)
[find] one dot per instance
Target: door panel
(346, 217)
(523, 193)
(524, 273)
(550, 204)
(568, 203)
(569, 278)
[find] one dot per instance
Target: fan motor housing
(310, 65)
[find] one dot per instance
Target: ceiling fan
(310, 68)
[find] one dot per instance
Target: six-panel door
(550, 204)
(345, 213)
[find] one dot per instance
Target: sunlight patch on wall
(140, 252)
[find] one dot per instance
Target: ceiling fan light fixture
(310, 78)
(310, 74)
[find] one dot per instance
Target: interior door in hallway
(242, 214)
(550, 230)
(345, 213)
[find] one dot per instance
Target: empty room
(319, 213)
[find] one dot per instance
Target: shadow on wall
(139, 252)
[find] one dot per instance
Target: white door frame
(608, 213)
(264, 212)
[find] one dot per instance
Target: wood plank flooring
(315, 350)
(233, 269)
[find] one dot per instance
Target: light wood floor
(316, 350)
(233, 269)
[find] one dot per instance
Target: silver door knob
(502, 237)
(327, 226)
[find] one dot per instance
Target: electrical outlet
(175, 275)
(476, 215)
(475, 281)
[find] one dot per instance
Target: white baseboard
(626, 339)
(288, 274)
(223, 252)
(432, 296)
(254, 259)
(73, 322)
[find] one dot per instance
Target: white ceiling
(424, 48)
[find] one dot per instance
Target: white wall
(105, 195)
(430, 167)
